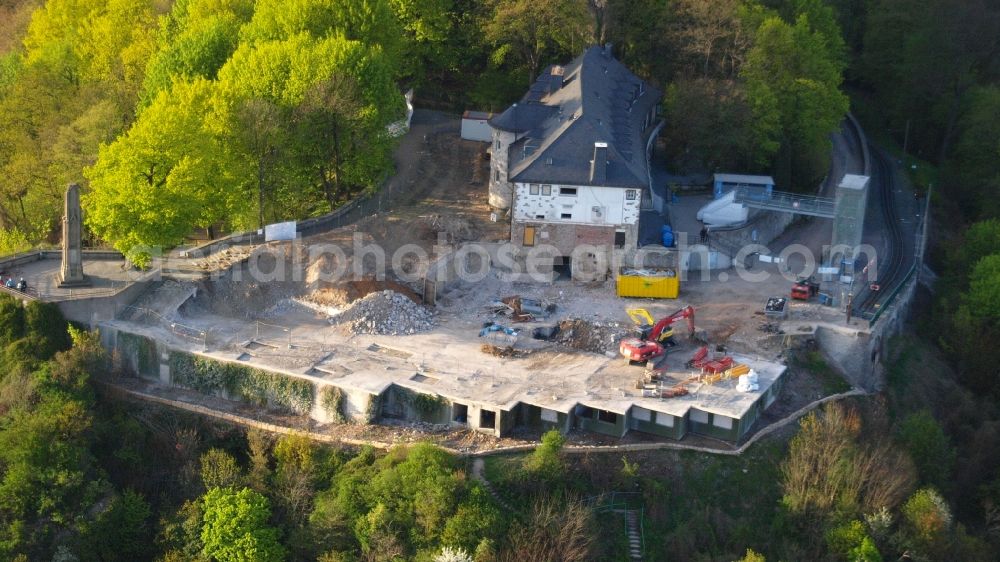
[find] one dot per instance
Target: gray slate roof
(592, 99)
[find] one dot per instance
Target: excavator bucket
(640, 316)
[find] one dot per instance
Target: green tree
(752, 556)
(199, 50)
(531, 31)
(928, 446)
(851, 542)
(122, 531)
(11, 319)
(927, 519)
(793, 78)
(983, 298)
(235, 527)
(220, 470)
(167, 176)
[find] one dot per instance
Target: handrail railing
(892, 296)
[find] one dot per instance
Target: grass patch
(829, 379)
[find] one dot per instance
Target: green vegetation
(227, 114)
(253, 385)
(197, 114)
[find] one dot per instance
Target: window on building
(529, 236)
(540, 217)
(606, 416)
(631, 194)
(533, 189)
(566, 216)
(722, 422)
(666, 420)
(496, 175)
(546, 190)
(584, 412)
(570, 191)
(698, 416)
(619, 239)
(498, 144)
(550, 415)
(459, 412)
(640, 414)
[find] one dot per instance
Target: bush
(852, 542)
(11, 319)
(546, 461)
(45, 320)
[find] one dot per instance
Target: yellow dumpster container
(648, 283)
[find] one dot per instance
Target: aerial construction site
(520, 274)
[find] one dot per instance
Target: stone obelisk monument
(71, 272)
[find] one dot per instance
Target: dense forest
(231, 113)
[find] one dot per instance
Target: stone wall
(762, 227)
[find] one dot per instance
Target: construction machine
(805, 288)
(654, 338)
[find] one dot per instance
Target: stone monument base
(70, 283)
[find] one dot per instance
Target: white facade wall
(590, 205)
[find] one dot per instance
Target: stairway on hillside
(634, 535)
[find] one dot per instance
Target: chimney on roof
(599, 165)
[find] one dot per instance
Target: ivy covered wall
(138, 354)
(242, 382)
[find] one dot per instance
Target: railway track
(890, 266)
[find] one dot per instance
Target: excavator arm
(686, 313)
(640, 316)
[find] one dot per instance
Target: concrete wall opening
(487, 419)
(459, 413)
(563, 267)
(606, 416)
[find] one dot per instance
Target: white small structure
(748, 382)
(476, 126)
(724, 211)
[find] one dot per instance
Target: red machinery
(653, 337)
(704, 362)
(805, 288)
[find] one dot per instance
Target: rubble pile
(596, 337)
(385, 313)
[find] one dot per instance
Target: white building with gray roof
(570, 161)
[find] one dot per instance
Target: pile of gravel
(385, 313)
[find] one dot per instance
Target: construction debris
(386, 313)
(520, 309)
(504, 351)
(596, 337)
(545, 333)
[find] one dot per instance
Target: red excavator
(653, 338)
